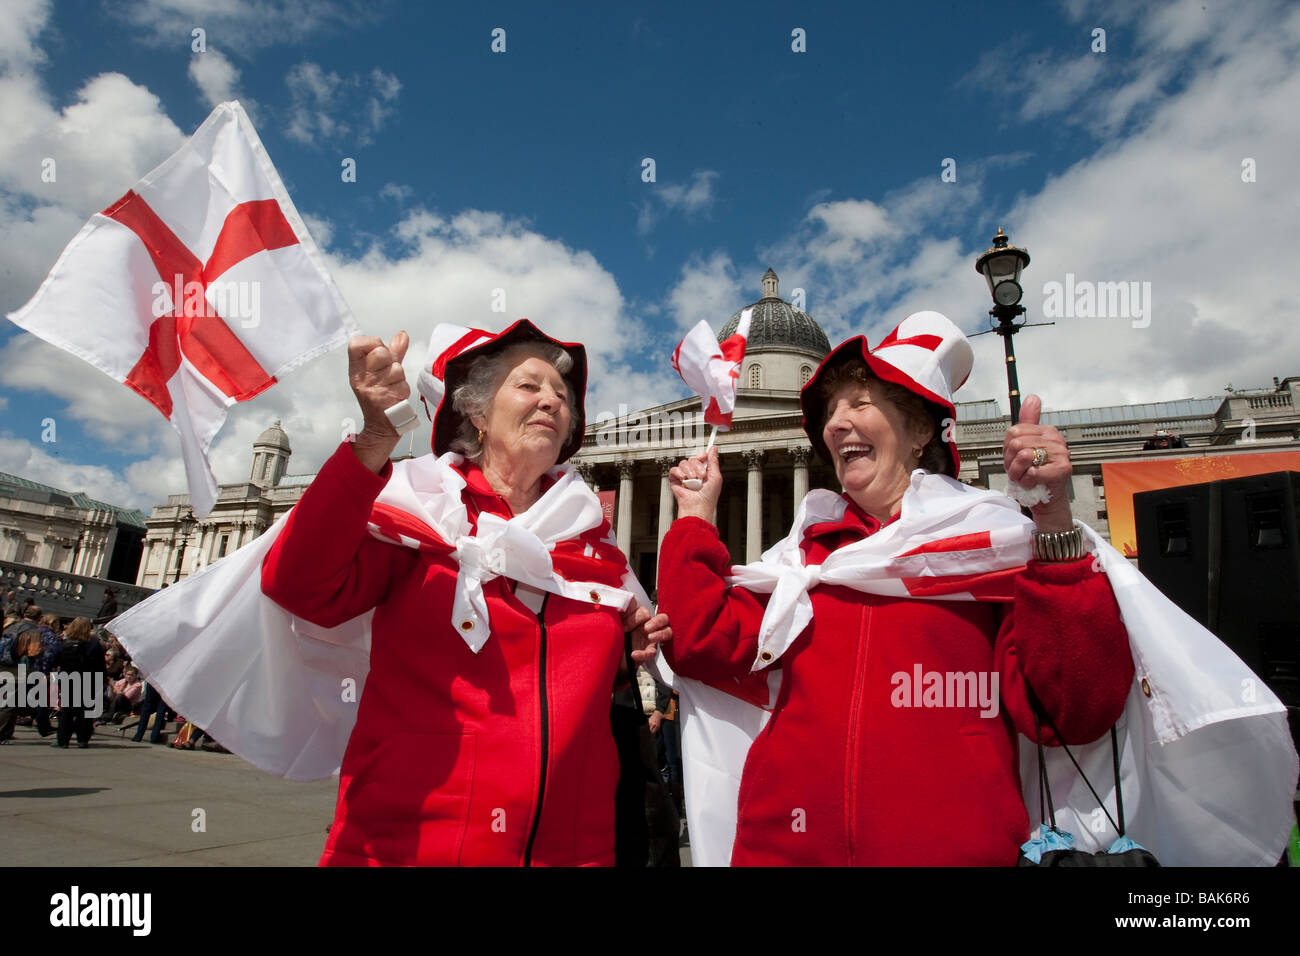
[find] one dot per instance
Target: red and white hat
(453, 349)
(926, 354)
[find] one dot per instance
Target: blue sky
(522, 170)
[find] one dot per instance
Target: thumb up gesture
(1035, 454)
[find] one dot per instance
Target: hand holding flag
(712, 370)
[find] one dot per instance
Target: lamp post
(1001, 265)
(187, 525)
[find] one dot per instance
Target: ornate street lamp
(187, 526)
(1001, 265)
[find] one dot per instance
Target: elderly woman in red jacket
(868, 757)
(483, 732)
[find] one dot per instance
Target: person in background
(154, 706)
(83, 656)
(127, 691)
(49, 628)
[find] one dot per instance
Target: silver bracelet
(1059, 545)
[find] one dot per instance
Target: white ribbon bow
(518, 548)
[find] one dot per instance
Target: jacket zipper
(545, 729)
(851, 754)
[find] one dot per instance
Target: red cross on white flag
(197, 289)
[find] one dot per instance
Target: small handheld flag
(712, 370)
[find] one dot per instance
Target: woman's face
(871, 444)
(528, 420)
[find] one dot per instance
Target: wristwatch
(1059, 545)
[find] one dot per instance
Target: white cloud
(215, 76)
(697, 196)
(242, 26)
(708, 290)
(22, 22)
(397, 192)
(1164, 204)
(691, 199)
(323, 103)
(37, 463)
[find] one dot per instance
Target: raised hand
(378, 381)
(1019, 449)
(704, 502)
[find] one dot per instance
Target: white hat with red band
(454, 348)
(926, 354)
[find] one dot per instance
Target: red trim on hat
(443, 425)
(461, 344)
(922, 340)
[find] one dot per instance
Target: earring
(480, 436)
(917, 452)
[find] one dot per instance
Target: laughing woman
(850, 770)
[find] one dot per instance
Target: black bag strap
(1039, 711)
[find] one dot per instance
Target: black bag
(1130, 853)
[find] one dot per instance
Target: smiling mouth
(855, 450)
(545, 424)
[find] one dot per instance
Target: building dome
(275, 437)
(776, 324)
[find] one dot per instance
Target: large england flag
(197, 289)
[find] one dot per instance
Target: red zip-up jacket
(849, 770)
(502, 758)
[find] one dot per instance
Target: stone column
(584, 470)
(95, 566)
(754, 505)
(735, 523)
(800, 455)
(625, 469)
(666, 499)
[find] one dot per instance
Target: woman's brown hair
(78, 630)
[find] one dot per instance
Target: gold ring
(1040, 457)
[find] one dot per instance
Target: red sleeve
(1064, 635)
(325, 567)
(715, 628)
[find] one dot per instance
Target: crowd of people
(34, 642)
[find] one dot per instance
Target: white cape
(1207, 765)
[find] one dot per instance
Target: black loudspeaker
(1228, 553)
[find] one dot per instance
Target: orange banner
(1123, 479)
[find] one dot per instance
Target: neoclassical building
(767, 462)
(64, 548)
(46, 527)
(178, 544)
